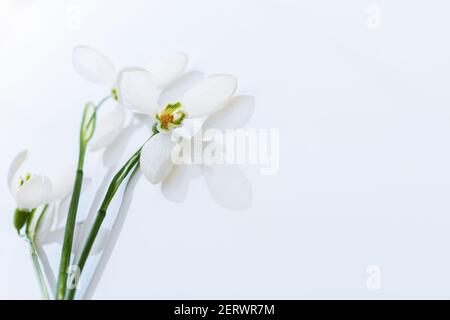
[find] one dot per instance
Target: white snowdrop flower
(139, 92)
(211, 98)
(97, 68)
(31, 190)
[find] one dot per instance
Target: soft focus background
(359, 90)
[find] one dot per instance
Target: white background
(364, 120)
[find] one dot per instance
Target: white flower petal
(47, 222)
(93, 66)
(155, 158)
(175, 186)
(137, 90)
(62, 208)
(62, 183)
(169, 69)
(34, 193)
(107, 128)
(56, 235)
(176, 90)
(14, 167)
(209, 95)
(234, 115)
(189, 129)
(142, 119)
(228, 186)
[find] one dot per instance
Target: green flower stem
(103, 101)
(86, 132)
(112, 189)
(30, 235)
(68, 237)
(110, 193)
(39, 221)
(97, 107)
(38, 270)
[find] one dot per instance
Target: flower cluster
(135, 91)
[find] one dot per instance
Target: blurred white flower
(31, 190)
(95, 67)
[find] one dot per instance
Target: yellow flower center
(165, 120)
(170, 117)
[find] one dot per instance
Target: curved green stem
(86, 132)
(98, 106)
(112, 189)
(39, 221)
(101, 102)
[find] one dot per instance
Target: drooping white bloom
(97, 68)
(139, 92)
(33, 190)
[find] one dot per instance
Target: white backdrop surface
(364, 117)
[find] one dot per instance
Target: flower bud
(88, 122)
(20, 218)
